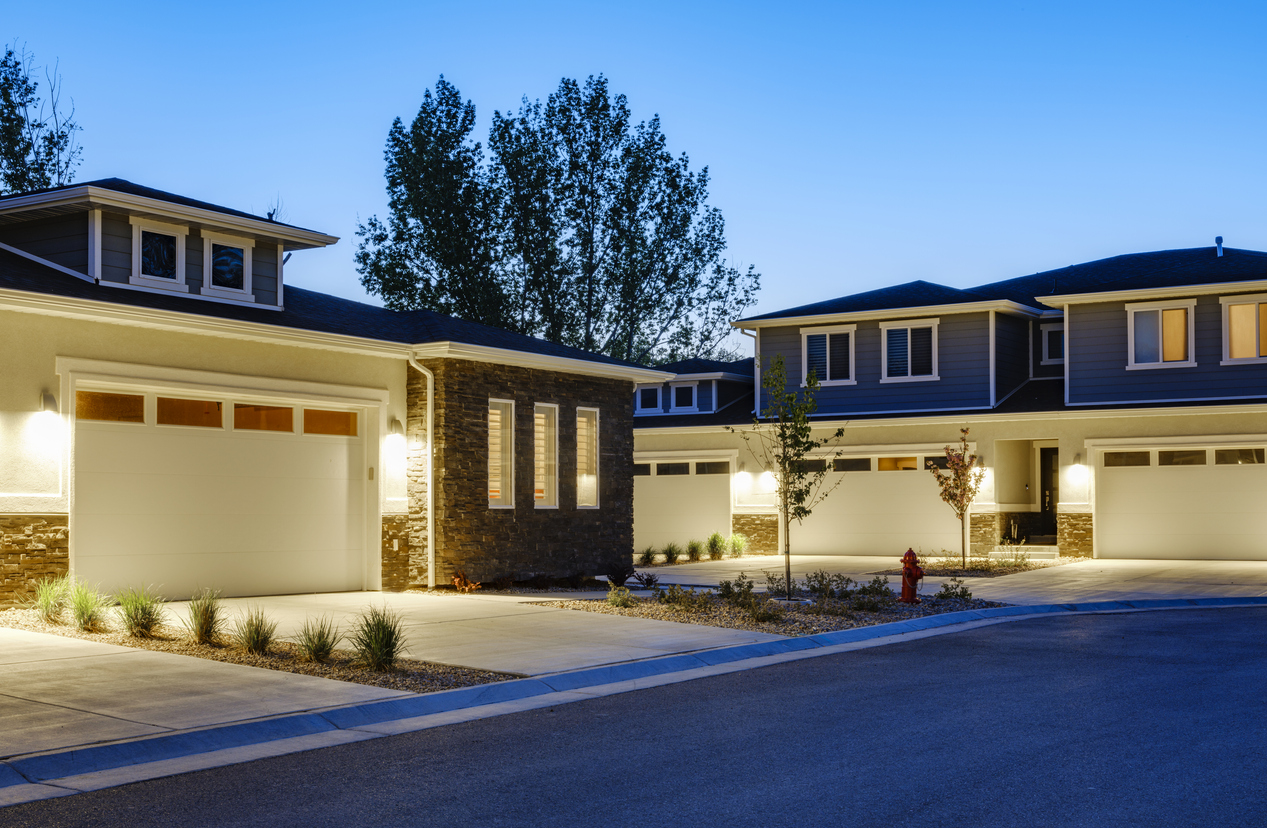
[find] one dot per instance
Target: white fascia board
(506, 356)
(715, 376)
(1155, 293)
(1003, 305)
(97, 196)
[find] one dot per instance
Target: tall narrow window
(828, 354)
(1160, 335)
(587, 458)
(910, 350)
(501, 454)
(545, 447)
(1244, 328)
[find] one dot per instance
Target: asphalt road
(1141, 719)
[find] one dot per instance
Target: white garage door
(882, 507)
(1181, 504)
(249, 499)
(679, 501)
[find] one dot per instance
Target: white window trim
(884, 349)
(244, 295)
(638, 409)
(1247, 299)
(1132, 308)
(554, 494)
(1044, 329)
(511, 504)
(177, 285)
(226, 406)
(598, 468)
(674, 408)
(852, 330)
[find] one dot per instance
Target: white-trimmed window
(501, 454)
(910, 350)
(545, 463)
(1244, 329)
(226, 267)
(828, 352)
(587, 458)
(1160, 335)
(158, 255)
(683, 397)
(647, 399)
(1053, 336)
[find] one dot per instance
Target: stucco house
(1120, 407)
(173, 413)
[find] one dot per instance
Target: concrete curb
(72, 770)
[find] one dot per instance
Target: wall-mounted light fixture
(48, 402)
(1077, 459)
(395, 429)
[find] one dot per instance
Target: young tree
(960, 483)
(783, 441)
(37, 139)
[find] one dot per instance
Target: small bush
(618, 596)
(88, 607)
(737, 592)
(877, 588)
(51, 595)
(619, 573)
(647, 557)
(377, 638)
(684, 599)
(647, 580)
(694, 550)
(206, 617)
(253, 631)
(716, 546)
(317, 639)
(762, 609)
(954, 589)
(141, 611)
(671, 553)
(738, 544)
(776, 584)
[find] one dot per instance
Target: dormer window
(647, 400)
(158, 255)
(683, 398)
(226, 265)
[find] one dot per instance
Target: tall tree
(37, 138)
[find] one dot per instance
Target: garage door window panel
(1181, 457)
(1239, 457)
(897, 464)
(1160, 335)
(173, 411)
(263, 418)
(110, 408)
(851, 464)
(1118, 459)
(333, 423)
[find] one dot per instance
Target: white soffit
(1002, 305)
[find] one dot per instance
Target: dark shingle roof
(910, 295)
(742, 367)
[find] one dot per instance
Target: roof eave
(1004, 305)
(1254, 286)
(526, 359)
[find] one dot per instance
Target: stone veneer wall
(32, 547)
(1073, 534)
(983, 532)
(762, 532)
(397, 576)
(488, 544)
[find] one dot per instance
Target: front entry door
(1048, 487)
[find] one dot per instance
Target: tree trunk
(787, 553)
(964, 524)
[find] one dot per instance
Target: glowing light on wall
(743, 482)
(766, 482)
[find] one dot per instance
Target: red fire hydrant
(912, 574)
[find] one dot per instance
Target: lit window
(338, 423)
(158, 255)
(263, 417)
(110, 408)
(586, 458)
(1053, 334)
(647, 399)
(1244, 328)
(200, 413)
(898, 464)
(501, 453)
(226, 267)
(910, 350)
(545, 447)
(683, 397)
(1160, 335)
(827, 353)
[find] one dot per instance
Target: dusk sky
(851, 145)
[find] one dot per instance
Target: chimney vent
(1218, 245)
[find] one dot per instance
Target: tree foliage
(581, 227)
(960, 484)
(37, 138)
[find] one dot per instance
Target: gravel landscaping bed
(978, 568)
(409, 675)
(795, 622)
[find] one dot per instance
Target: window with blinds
(828, 355)
(587, 458)
(910, 352)
(501, 453)
(545, 448)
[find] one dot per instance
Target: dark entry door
(1048, 487)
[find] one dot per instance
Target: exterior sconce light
(395, 429)
(48, 402)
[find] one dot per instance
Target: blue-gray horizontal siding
(728, 392)
(61, 240)
(264, 273)
(1011, 353)
(116, 248)
(963, 368)
(1096, 342)
(704, 396)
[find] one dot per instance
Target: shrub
(694, 550)
(647, 580)
(618, 596)
(619, 573)
(88, 607)
(821, 584)
(671, 553)
(877, 588)
(377, 638)
(737, 592)
(206, 617)
(647, 557)
(762, 609)
(954, 589)
(738, 544)
(716, 546)
(685, 599)
(317, 639)
(141, 611)
(776, 583)
(254, 631)
(50, 599)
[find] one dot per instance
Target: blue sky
(851, 145)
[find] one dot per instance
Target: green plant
(685, 599)
(377, 638)
(878, 587)
(762, 609)
(317, 639)
(647, 557)
(671, 553)
(647, 580)
(738, 544)
(954, 589)
(694, 550)
(776, 584)
(618, 596)
(254, 631)
(715, 546)
(88, 607)
(141, 611)
(206, 617)
(50, 598)
(736, 592)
